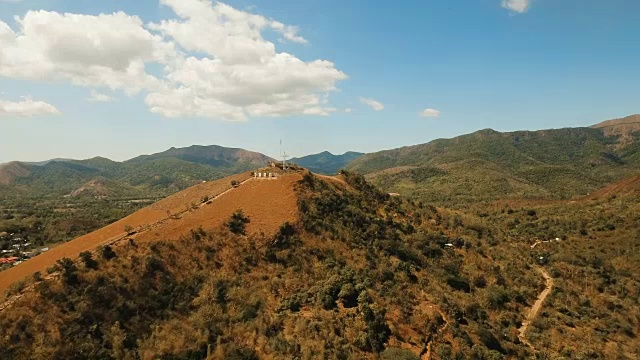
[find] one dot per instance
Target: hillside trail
(332, 178)
(229, 190)
(426, 355)
(533, 312)
(116, 239)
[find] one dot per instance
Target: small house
(11, 260)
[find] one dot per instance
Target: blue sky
(475, 64)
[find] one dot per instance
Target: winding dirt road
(533, 313)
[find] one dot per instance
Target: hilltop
(487, 165)
(326, 162)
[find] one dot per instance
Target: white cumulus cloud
(214, 61)
(375, 105)
(27, 107)
(103, 50)
(519, 6)
(100, 97)
(241, 74)
(430, 113)
(289, 32)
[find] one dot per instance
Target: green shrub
(87, 259)
(69, 271)
(378, 331)
(107, 252)
(497, 296)
(459, 283)
(238, 223)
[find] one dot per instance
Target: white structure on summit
(274, 170)
(265, 175)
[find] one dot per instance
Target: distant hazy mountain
(326, 162)
(213, 155)
(488, 164)
(40, 163)
(147, 175)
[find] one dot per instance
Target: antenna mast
(284, 157)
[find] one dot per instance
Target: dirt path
(540, 242)
(426, 354)
(533, 313)
(332, 178)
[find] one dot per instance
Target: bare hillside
(268, 203)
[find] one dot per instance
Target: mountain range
(149, 175)
(485, 165)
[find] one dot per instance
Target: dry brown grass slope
(268, 203)
(625, 187)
